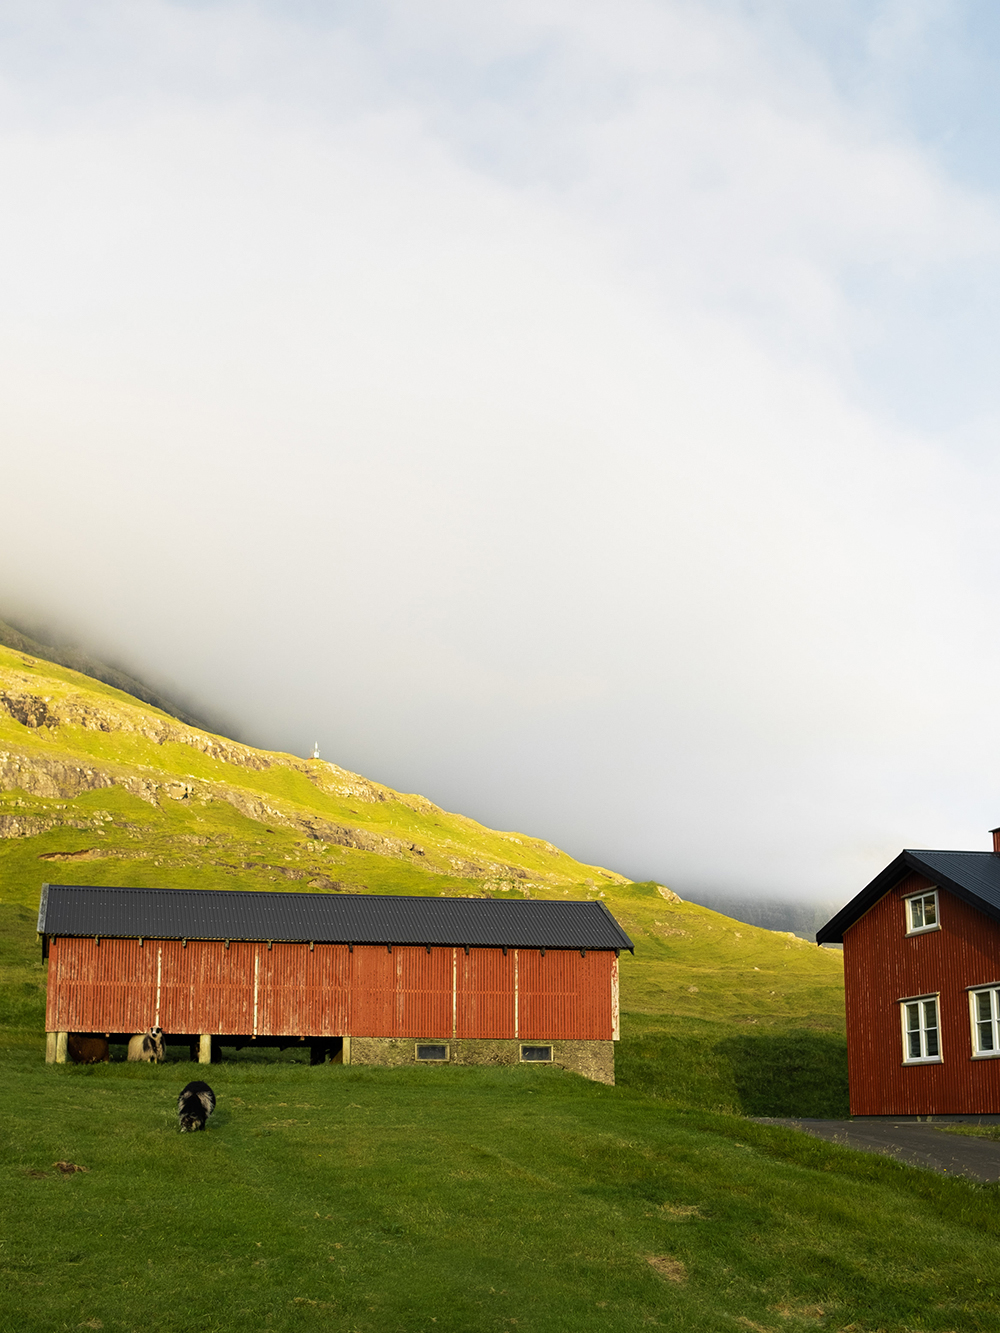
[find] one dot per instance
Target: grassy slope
(461, 1201)
(371, 1200)
(250, 820)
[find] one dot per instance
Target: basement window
(432, 1053)
(922, 913)
(921, 1037)
(542, 1054)
(985, 1013)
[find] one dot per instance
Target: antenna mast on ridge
(315, 753)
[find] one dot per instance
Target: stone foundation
(592, 1059)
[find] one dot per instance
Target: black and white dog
(195, 1104)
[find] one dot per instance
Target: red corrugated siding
(406, 993)
(881, 966)
(292, 990)
(110, 987)
(564, 995)
(484, 986)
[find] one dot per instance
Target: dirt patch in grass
(667, 1266)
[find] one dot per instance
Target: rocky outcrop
(31, 710)
(669, 894)
(42, 776)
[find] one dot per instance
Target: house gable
(972, 877)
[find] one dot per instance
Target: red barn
(363, 979)
(922, 981)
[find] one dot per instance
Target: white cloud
(480, 390)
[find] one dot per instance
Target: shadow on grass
(797, 1073)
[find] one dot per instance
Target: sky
(585, 415)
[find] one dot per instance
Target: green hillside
(97, 787)
(492, 1199)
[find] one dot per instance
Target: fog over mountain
(582, 415)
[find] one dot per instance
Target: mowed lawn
(432, 1200)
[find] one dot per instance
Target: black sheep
(195, 1104)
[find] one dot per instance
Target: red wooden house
(922, 985)
(363, 978)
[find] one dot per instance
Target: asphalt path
(916, 1142)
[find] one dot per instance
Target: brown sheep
(87, 1050)
(147, 1046)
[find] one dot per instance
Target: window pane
(983, 1006)
(930, 911)
(916, 913)
(985, 1031)
(536, 1052)
(914, 1045)
(913, 1017)
(930, 1023)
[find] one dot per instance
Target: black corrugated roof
(972, 876)
(212, 914)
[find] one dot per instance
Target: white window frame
(920, 1003)
(912, 900)
(977, 1021)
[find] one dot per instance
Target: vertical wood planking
(564, 995)
(484, 993)
(883, 965)
(405, 993)
(329, 990)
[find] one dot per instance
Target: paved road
(917, 1142)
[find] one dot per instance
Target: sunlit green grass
(459, 1199)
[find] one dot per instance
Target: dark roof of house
(211, 914)
(972, 876)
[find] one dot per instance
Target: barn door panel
(484, 998)
(105, 987)
(223, 981)
(405, 993)
(561, 994)
(423, 995)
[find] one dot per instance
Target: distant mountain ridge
(77, 660)
(781, 914)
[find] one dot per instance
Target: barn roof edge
(259, 916)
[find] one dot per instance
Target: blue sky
(585, 415)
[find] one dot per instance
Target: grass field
(456, 1199)
(526, 1200)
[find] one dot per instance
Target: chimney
(996, 841)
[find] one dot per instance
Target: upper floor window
(922, 912)
(985, 1005)
(921, 1038)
